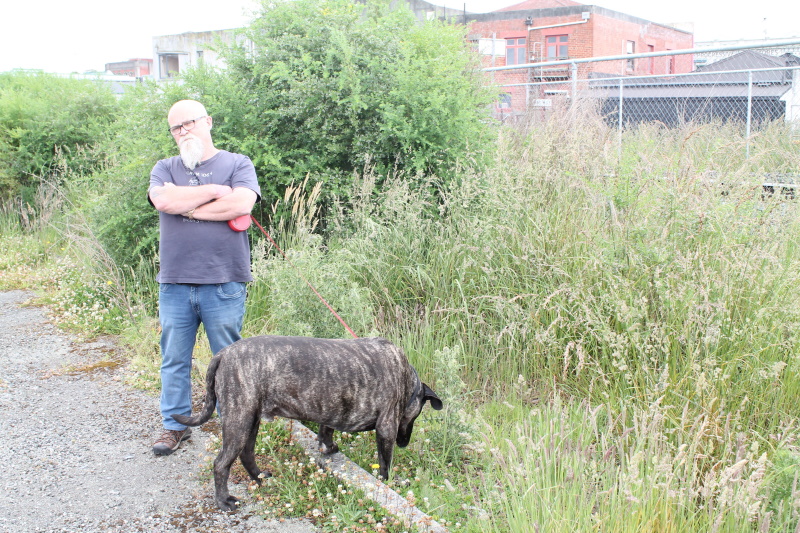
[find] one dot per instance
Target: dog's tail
(211, 398)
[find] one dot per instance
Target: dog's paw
(324, 449)
(262, 475)
(229, 504)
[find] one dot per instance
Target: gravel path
(75, 444)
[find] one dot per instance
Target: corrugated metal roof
(688, 91)
(540, 4)
(747, 59)
(715, 80)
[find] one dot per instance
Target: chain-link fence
(747, 96)
(751, 85)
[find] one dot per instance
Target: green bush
(367, 87)
(49, 125)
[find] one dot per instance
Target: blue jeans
(182, 308)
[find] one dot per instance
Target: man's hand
(239, 202)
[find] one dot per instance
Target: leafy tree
(330, 87)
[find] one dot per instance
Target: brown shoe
(170, 440)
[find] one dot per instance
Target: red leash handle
(350, 331)
(240, 223)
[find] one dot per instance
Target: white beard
(192, 150)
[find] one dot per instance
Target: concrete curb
(349, 472)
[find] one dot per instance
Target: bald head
(185, 108)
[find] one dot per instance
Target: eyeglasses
(188, 125)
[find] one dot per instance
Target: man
(204, 264)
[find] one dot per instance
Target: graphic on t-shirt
(195, 177)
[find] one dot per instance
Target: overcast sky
(59, 36)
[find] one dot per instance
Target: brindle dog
(345, 385)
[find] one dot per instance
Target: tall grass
(49, 246)
(647, 302)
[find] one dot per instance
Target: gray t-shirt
(198, 251)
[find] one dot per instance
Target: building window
(651, 63)
(169, 66)
(671, 64)
(630, 48)
(516, 51)
(557, 47)
(504, 102)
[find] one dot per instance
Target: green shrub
(47, 122)
(367, 87)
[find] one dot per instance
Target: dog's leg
(385, 437)
(385, 451)
(236, 429)
(325, 439)
(222, 470)
(248, 456)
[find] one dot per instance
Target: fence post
(527, 98)
(619, 122)
(574, 71)
(749, 110)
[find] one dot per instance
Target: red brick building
(136, 68)
(537, 31)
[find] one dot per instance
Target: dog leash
(340, 319)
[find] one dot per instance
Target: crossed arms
(203, 202)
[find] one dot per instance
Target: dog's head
(416, 402)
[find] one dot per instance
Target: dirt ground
(76, 443)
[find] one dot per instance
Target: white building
(174, 54)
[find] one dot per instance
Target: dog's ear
(428, 394)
